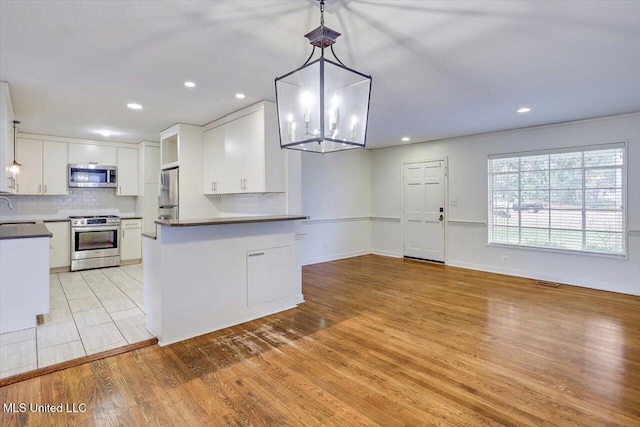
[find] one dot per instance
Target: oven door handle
(94, 228)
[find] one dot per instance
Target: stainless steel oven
(95, 241)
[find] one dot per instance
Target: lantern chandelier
(323, 106)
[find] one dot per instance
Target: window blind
(569, 199)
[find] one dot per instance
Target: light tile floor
(90, 311)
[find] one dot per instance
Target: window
(571, 199)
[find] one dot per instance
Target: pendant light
(323, 106)
(15, 166)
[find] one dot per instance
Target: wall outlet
(505, 259)
(453, 202)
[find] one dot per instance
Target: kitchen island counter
(228, 220)
(201, 275)
(24, 274)
(23, 230)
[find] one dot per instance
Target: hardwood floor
(379, 341)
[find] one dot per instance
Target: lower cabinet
(59, 244)
(269, 275)
(130, 240)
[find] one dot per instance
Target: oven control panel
(76, 222)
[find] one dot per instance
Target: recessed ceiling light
(134, 106)
(104, 132)
(189, 84)
(240, 95)
(406, 138)
(523, 110)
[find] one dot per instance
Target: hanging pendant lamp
(323, 106)
(15, 166)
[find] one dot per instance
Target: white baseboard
(385, 253)
(532, 275)
(335, 257)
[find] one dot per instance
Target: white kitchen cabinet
(130, 240)
(214, 165)
(44, 169)
(54, 168)
(268, 275)
(152, 165)
(59, 245)
(92, 154)
(253, 161)
(7, 184)
(127, 172)
(29, 153)
(170, 147)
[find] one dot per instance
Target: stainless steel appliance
(168, 201)
(95, 241)
(92, 176)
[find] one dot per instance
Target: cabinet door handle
(257, 254)
(123, 234)
(215, 186)
(212, 186)
(17, 187)
(39, 188)
(45, 188)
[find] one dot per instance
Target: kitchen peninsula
(201, 275)
(24, 274)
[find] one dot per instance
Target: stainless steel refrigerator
(168, 201)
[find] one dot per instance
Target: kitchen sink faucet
(8, 201)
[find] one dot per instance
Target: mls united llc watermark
(45, 408)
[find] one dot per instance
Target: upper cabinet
(127, 172)
(241, 153)
(7, 183)
(151, 165)
(92, 154)
(169, 147)
(44, 167)
(214, 154)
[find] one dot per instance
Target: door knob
(441, 217)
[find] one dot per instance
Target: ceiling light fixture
(240, 95)
(329, 100)
(523, 110)
(406, 138)
(134, 106)
(105, 133)
(15, 166)
(189, 84)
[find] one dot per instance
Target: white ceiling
(440, 68)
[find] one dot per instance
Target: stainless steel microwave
(92, 176)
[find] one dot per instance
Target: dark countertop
(23, 230)
(228, 220)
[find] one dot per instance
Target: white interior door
(423, 210)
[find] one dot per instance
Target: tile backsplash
(80, 201)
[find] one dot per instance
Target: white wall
(336, 194)
(466, 227)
